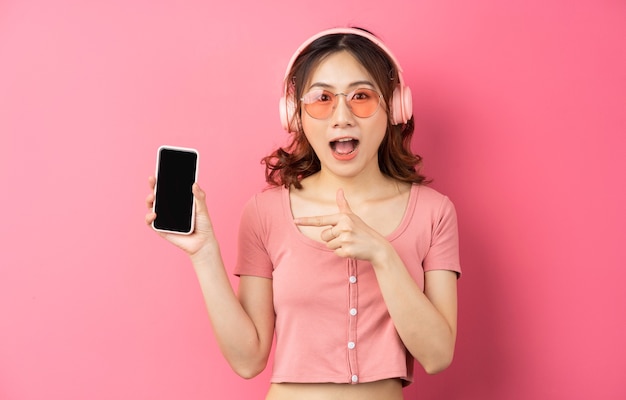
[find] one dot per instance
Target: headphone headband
(401, 102)
(346, 31)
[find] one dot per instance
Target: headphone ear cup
(407, 103)
(401, 105)
(287, 109)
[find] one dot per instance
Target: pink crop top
(332, 324)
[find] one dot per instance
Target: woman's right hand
(203, 236)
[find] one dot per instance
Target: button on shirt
(332, 324)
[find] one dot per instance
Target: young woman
(348, 258)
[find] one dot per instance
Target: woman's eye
(324, 97)
(361, 95)
(315, 96)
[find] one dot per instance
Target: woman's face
(347, 145)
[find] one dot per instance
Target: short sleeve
(252, 256)
(444, 248)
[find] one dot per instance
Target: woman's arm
(243, 325)
(426, 321)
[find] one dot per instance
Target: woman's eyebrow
(324, 85)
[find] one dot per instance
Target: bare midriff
(388, 389)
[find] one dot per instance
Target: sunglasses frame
(349, 96)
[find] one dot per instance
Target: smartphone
(176, 172)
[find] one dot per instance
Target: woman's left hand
(349, 236)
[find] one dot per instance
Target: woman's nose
(342, 115)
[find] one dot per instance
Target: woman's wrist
(384, 256)
(206, 254)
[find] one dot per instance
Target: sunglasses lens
(364, 102)
(320, 104)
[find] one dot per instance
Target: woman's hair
(290, 164)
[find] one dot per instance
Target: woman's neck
(361, 187)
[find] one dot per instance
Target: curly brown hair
(288, 165)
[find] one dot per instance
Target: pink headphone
(401, 102)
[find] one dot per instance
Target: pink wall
(521, 116)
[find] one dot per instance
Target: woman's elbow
(249, 370)
(435, 368)
(438, 364)
(247, 373)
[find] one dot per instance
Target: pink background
(521, 114)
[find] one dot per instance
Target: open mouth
(344, 146)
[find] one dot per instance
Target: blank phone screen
(176, 173)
